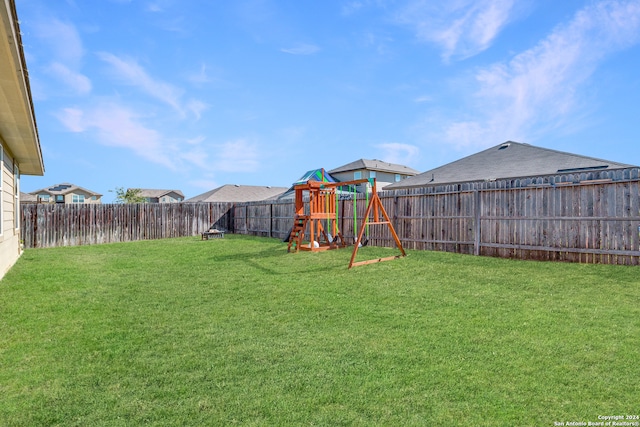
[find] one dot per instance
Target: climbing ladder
(297, 233)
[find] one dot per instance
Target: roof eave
(18, 130)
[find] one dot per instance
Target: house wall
(68, 198)
(166, 198)
(170, 198)
(10, 236)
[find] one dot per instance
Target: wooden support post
(312, 233)
(376, 204)
(477, 206)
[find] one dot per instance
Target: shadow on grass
(269, 260)
(271, 257)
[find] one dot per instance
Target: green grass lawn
(236, 331)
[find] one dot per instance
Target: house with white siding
(20, 151)
(385, 173)
(66, 193)
(160, 196)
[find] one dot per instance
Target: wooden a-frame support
(375, 205)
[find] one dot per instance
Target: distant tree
(130, 195)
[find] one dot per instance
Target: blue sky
(195, 94)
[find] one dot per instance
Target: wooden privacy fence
(49, 225)
(588, 217)
(591, 220)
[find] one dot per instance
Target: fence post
(395, 209)
(477, 227)
(341, 216)
(270, 218)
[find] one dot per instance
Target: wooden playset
(320, 215)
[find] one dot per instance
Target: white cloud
(196, 107)
(195, 155)
(394, 152)
(301, 49)
(293, 134)
(423, 98)
(72, 119)
(63, 40)
(78, 83)
(461, 28)
(541, 87)
(355, 6)
(196, 141)
(133, 74)
(204, 184)
(207, 75)
(201, 76)
(65, 54)
(117, 126)
(155, 7)
(351, 7)
(237, 156)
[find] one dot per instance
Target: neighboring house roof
(64, 188)
(507, 160)
(375, 165)
(28, 198)
(18, 130)
(238, 193)
(145, 192)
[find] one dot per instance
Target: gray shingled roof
(64, 188)
(375, 165)
(151, 193)
(507, 160)
(238, 193)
